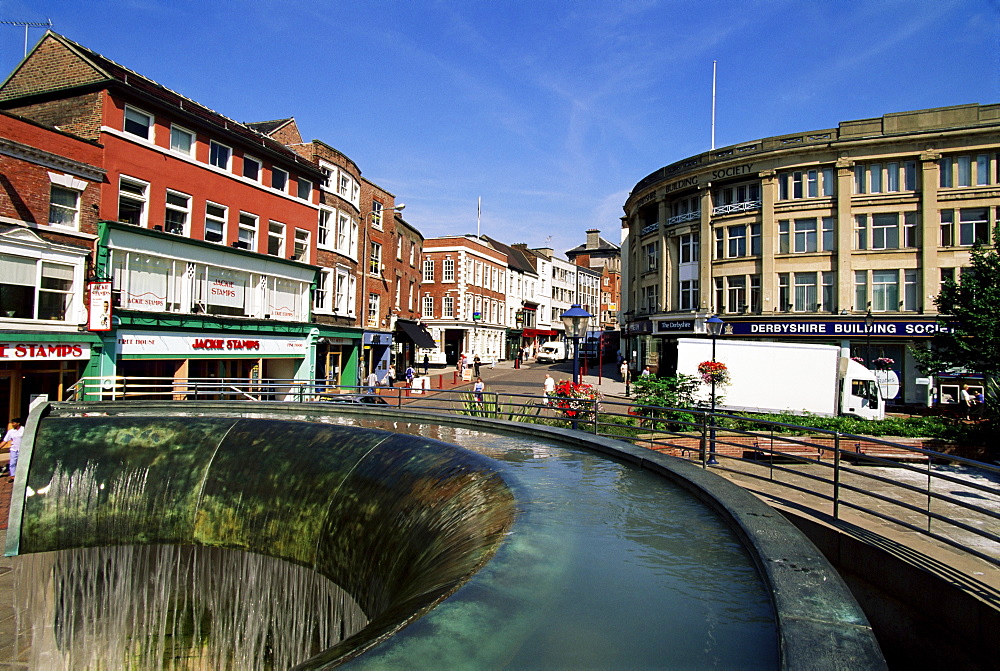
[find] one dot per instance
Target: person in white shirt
(12, 440)
(548, 387)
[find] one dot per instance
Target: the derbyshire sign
(881, 328)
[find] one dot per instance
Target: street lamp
(869, 324)
(576, 320)
(714, 326)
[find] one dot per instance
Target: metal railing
(944, 497)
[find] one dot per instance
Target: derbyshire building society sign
(905, 329)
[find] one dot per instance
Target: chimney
(593, 238)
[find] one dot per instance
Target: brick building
(207, 229)
(606, 258)
(48, 223)
(463, 298)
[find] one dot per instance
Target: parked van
(551, 352)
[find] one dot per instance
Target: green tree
(970, 306)
(667, 392)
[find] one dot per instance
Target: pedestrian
(548, 388)
(12, 441)
(390, 377)
(517, 358)
(965, 401)
(645, 372)
(623, 369)
(461, 364)
(478, 389)
(372, 382)
(427, 364)
(410, 374)
(476, 363)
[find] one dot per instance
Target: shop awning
(416, 333)
(531, 333)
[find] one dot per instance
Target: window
(910, 175)
(755, 294)
(324, 229)
(861, 231)
(737, 240)
(251, 168)
(651, 298)
(805, 235)
(215, 223)
(860, 183)
(946, 176)
(651, 256)
(219, 155)
(805, 292)
(947, 275)
(376, 214)
(829, 239)
(25, 295)
(784, 292)
(375, 259)
(885, 230)
(909, 229)
(973, 226)
(181, 140)
(806, 183)
(875, 171)
(373, 310)
(947, 228)
(688, 295)
(982, 170)
(885, 290)
(247, 235)
(428, 271)
(132, 201)
(321, 296)
(736, 293)
(138, 123)
(300, 246)
(689, 248)
(829, 296)
(344, 298)
(910, 290)
(279, 179)
(305, 188)
(275, 238)
(964, 165)
(177, 213)
(399, 248)
(448, 270)
(64, 206)
(861, 289)
(892, 177)
(427, 308)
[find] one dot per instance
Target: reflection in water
(608, 566)
(173, 607)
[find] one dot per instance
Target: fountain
(383, 531)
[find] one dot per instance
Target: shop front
(171, 362)
(376, 355)
(40, 366)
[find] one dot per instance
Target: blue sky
(550, 111)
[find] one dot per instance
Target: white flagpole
(713, 104)
(479, 214)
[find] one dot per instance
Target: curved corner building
(797, 237)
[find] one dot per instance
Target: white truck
(785, 377)
(552, 351)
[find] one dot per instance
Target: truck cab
(861, 395)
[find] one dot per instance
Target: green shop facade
(185, 312)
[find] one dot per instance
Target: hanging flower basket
(883, 363)
(859, 360)
(714, 371)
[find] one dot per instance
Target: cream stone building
(801, 237)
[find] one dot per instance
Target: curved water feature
(607, 563)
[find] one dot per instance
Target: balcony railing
(736, 208)
(681, 218)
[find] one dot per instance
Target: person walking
(548, 388)
(623, 369)
(427, 364)
(372, 382)
(478, 389)
(12, 441)
(476, 363)
(410, 374)
(390, 377)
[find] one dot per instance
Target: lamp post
(714, 326)
(869, 324)
(576, 320)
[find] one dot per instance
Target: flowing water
(606, 566)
